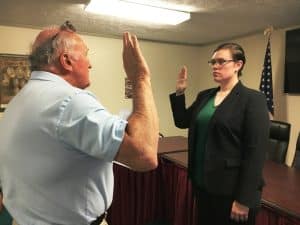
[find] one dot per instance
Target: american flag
(266, 86)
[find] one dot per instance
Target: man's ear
(66, 62)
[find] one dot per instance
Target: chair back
(279, 141)
(296, 162)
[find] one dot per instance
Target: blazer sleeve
(181, 114)
(255, 140)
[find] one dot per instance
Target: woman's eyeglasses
(219, 62)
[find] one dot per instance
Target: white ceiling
(211, 20)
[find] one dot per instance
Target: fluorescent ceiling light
(178, 6)
(138, 12)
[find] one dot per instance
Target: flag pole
(268, 31)
(266, 77)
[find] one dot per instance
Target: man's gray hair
(47, 52)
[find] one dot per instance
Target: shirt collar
(47, 76)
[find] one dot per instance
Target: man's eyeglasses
(219, 62)
(66, 26)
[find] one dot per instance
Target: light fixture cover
(138, 12)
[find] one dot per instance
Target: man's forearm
(143, 128)
(138, 149)
(144, 113)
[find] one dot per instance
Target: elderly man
(58, 142)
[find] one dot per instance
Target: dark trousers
(215, 210)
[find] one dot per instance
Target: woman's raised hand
(181, 83)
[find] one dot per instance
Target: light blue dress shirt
(57, 147)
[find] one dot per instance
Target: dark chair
(279, 141)
(296, 162)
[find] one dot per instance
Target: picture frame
(14, 74)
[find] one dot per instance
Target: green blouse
(201, 131)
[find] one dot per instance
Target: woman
(228, 134)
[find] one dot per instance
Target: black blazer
(238, 135)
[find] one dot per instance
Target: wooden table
(172, 144)
(282, 190)
(179, 158)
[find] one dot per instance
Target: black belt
(99, 219)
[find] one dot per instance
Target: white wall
(165, 60)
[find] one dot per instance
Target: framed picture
(14, 74)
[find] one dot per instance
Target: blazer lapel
(230, 98)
